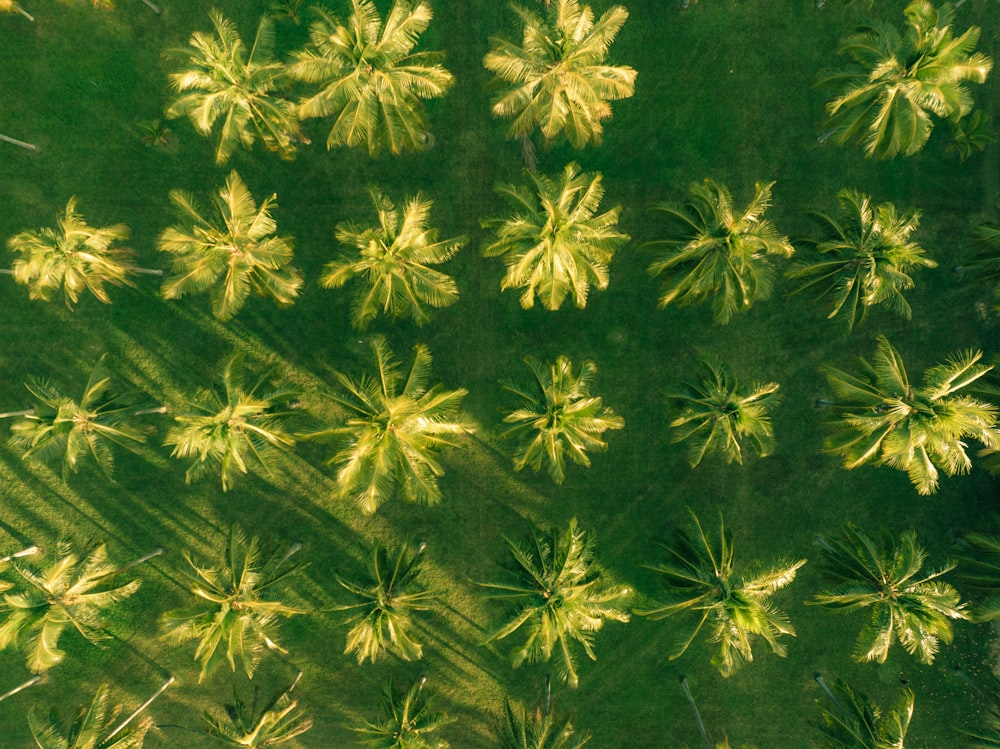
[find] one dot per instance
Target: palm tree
(870, 258)
(559, 597)
(384, 599)
(718, 254)
(853, 720)
(986, 266)
(242, 725)
(886, 576)
(370, 80)
(553, 244)
(232, 256)
(558, 79)
(221, 79)
(67, 588)
(987, 737)
(235, 616)
(558, 417)
(717, 414)
(408, 721)
(882, 418)
(701, 579)
(980, 571)
(9, 6)
(232, 426)
(520, 728)
(394, 262)
(895, 82)
(392, 430)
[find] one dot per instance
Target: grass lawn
(724, 90)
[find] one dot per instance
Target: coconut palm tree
(882, 418)
(234, 425)
(886, 576)
(369, 79)
(554, 244)
(986, 266)
(519, 728)
(230, 256)
(870, 257)
(716, 414)
(559, 597)
(701, 580)
(220, 79)
(717, 253)
(558, 417)
(852, 720)
(392, 430)
(235, 614)
(242, 725)
(987, 736)
(896, 83)
(408, 722)
(384, 599)
(558, 79)
(979, 570)
(394, 259)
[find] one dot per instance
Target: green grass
(724, 91)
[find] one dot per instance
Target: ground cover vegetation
(364, 563)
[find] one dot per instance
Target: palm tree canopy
(855, 721)
(884, 419)
(408, 721)
(896, 82)
(222, 79)
(718, 253)
(554, 244)
(520, 728)
(92, 727)
(73, 257)
(395, 259)
(980, 571)
(242, 725)
(558, 79)
(231, 256)
(370, 80)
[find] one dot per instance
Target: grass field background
(725, 90)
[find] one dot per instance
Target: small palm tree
(242, 725)
(370, 80)
(235, 616)
(232, 426)
(718, 414)
(558, 417)
(895, 82)
(853, 720)
(881, 418)
(408, 721)
(221, 79)
(870, 258)
(558, 79)
(520, 728)
(392, 429)
(231, 256)
(701, 579)
(717, 253)
(554, 244)
(394, 262)
(559, 597)
(886, 576)
(384, 600)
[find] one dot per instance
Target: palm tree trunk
(12, 414)
(136, 562)
(822, 685)
(24, 13)
(21, 143)
(155, 8)
(27, 552)
(29, 683)
(694, 709)
(135, 713)
(6, 271)
(148, 411)
(148, 271)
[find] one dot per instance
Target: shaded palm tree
(882, 418)
(870, 258)
(242, 725)
(895, 84)
(717, 253)
(554, 244)
(232, 426)
(220, 79)
(558, 417)
(985, 267)
(408, 721)
(852, 720)
(979, 570)
(559, 597)
(886, 576)
(702, 582)
(394, 262)
(384, 600)
(370, 80)
(235, 616)
(231, 255)
(987, 736)
(392, 430)
(717, 414)
(558, 79)
(542, 728)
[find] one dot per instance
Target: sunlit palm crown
(93, 727)
(554, 244)
(897, 82)
(240, 725)
(538, 729)
(370, 80)
(230, 255)
(558, 79)
(225, 80)
(857, 722)
(74, 257)
(394, 262)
